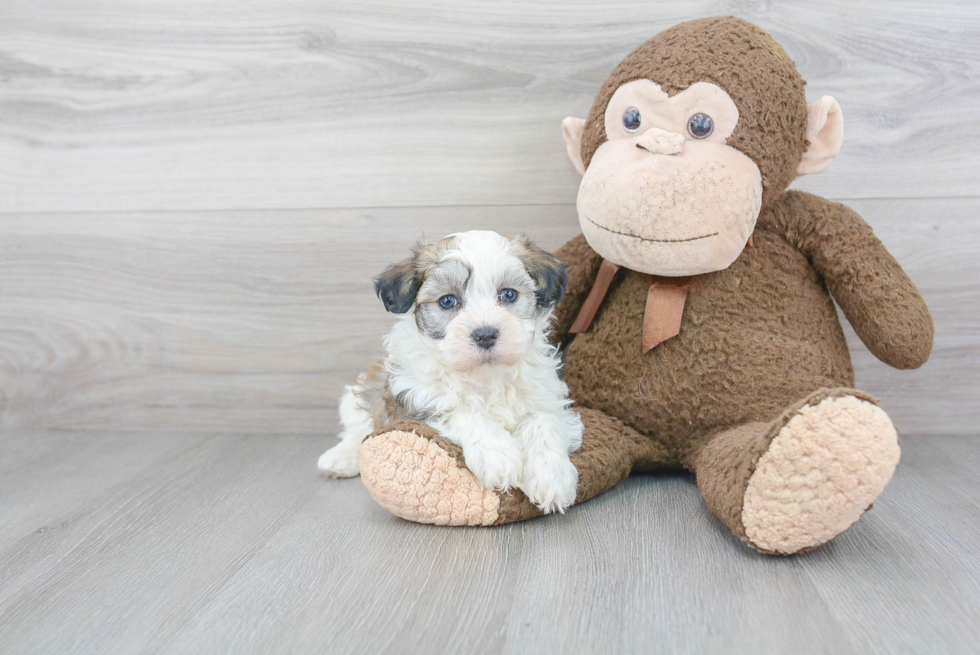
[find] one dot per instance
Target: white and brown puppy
(471, 358)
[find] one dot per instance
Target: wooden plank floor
(170, 543)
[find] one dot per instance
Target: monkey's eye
(448, 301)
(700, 126)
(631, 119)
(508, 296)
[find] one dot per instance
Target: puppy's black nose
(485, 337)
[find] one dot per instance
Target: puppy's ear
(397, 286)
(547, 271)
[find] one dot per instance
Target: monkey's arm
(583, 264)
(877, 296)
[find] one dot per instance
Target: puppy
(471, 358)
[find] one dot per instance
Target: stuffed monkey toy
(698, 317)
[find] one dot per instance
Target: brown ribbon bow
(661, 316)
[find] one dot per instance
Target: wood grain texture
(235, 545)
(74, 468)
(903, 550)
(254, 321)
(203, 321)
(148, 106)
(193, 199)
(125, 306)
(131, 562)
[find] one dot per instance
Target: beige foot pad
(412, 477)
(821, 473)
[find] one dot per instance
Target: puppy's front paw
(340, 461)
(550, 482)
(497, 464)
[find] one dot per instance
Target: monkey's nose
(485, 337)
(661, 142)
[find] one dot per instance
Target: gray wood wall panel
(253, 321)
(115, 105)
(193, 198)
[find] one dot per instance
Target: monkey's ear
(547, 271)
(825, 132)
(397, 286)
(572, 129)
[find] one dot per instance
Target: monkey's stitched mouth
(633, 236)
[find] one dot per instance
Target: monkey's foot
(821, 472)
(422, 478)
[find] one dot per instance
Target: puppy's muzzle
(485, 337)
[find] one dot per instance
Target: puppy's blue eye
(700, 126)
(508, 296)
(448, 301)
(631, 119)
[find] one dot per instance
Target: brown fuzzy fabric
(755, 337)
(878, 298)
(729, 459)
(580, 279)
(748, 64)
(425, 431)
(759, 340)
(605, 459)
(514, 506)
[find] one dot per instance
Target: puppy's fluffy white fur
(481, 372)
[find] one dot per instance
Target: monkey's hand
(876, 295)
